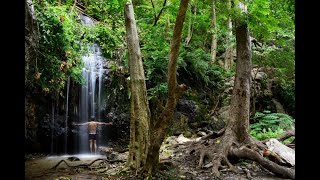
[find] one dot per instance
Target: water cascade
(66, 122)
(91, 95)
(52, 125)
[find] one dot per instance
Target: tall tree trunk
(190, 26)
(214, 34)
(229, 50)
(174, 92)
(140, 112)
(240, 102)
(237, 128)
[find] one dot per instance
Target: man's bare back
(92, 127)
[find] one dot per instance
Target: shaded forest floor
(177, 162)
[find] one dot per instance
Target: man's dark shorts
(93, 136)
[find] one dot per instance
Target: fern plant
(270, 125)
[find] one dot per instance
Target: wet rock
(187, 134)
(73, 158)
(188, 108)
(258, 75)
(208, 165)
(181, 139)
(201, 133)
(105, 150)
(284, 152)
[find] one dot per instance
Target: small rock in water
(201, 133)
(73, 158)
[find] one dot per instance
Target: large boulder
(284, 152)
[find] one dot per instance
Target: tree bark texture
(229, 50)
(174, 91)
(240, 102)
(140, 112)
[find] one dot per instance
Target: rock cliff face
(31, 36)
(31, 42)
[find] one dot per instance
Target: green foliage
(267, 133)
(105, 11)
(270, 125)
(61, 35)
(108, 40)
(285, 90)
(109, 30)
(288, 140)
(155, 54)
(160, 90)
(197, 65)
(59, 48)
(271, 23)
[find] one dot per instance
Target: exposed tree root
(87, 165)
(219, 149)
(244, 152)
(213, 135)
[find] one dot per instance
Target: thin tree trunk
(157, 17)
(214, 35)
(229, 54)
(190, 26)
(140, 112)
(189, 29)
(174, 92)
(253, 93)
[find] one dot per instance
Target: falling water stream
(66, 122)
(91, 104)
(52, 125)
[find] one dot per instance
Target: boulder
(284, 152)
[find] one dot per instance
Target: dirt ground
(181, 164)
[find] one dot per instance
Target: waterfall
(66, 122)
(52, 125)
(91, 90)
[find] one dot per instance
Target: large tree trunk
(229, 50)
(236, 140)
(214, 35)
(237, 129)
(240, 102)
(160, 128)
(140, 112)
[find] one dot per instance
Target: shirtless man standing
(92, 127)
